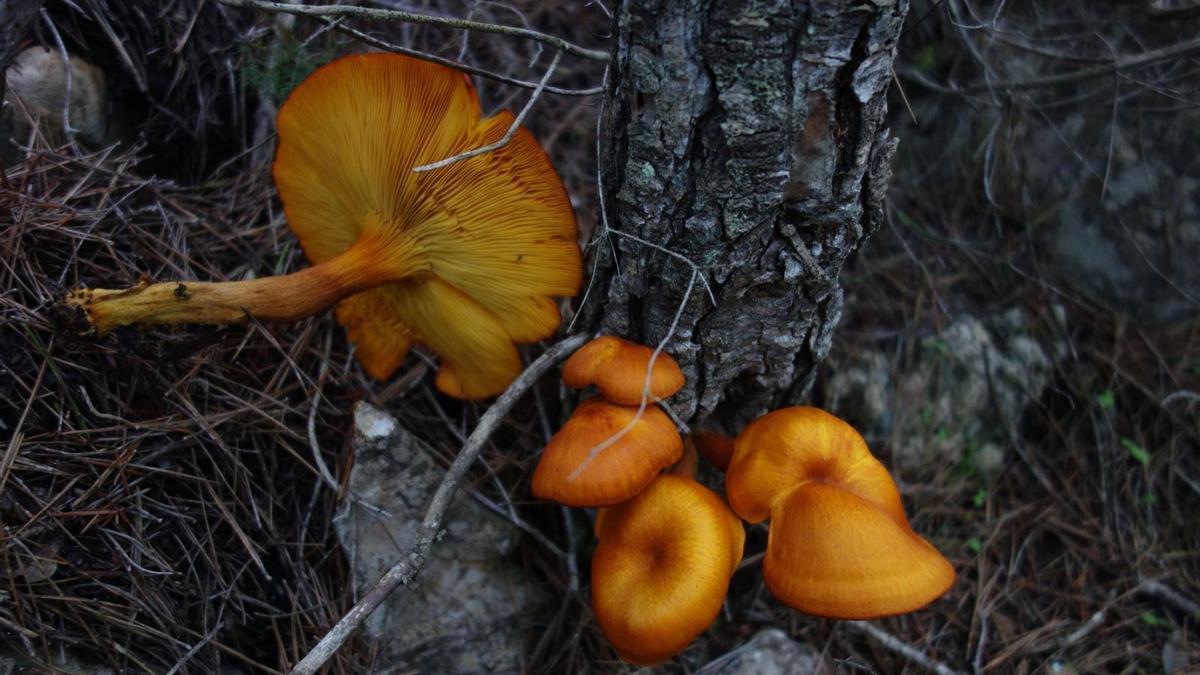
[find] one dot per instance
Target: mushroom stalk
(284, 298)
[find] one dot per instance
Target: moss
(274, 68)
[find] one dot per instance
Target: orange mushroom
(839, 544)
(618, 369)
(572, 471)
(662, 567)
(465, 259)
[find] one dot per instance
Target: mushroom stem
(283, 298)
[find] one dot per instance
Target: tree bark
(749, 137)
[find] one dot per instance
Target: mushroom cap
(475, 250)
(620, 470)
(839, 544)
(716, 448)
(834, 554)
(792, 446)
(618, 369)
(662, 567)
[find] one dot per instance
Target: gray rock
(964, 390)
(37, 89)
(1107, 190)
(769, 652)
(1124, 203)
(860, 389)
(470, 609)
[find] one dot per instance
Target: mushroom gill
(465, 259)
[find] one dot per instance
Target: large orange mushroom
(587, 464)
(465, 259)
(619, 369)
(839, 544)
(662, 567)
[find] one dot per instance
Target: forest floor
(162, 509)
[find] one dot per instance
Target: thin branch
(313, 443)
(68, 130)
(1171, 596)
(450, 63)
(1176, 51)
(902, 648)
(1094, 622)
(679, 256)
(411, 564)
(521, 524)
(1181, 395)
(512, 129)
(462, 53)
(413, 17)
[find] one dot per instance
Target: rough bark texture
(750, 137)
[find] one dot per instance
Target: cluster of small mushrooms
(838, 546)
(467, 259)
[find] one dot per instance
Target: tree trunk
(750, 138)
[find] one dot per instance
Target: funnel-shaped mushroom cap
(839, 543)
(834, 554)
(474, 251)
(615, 473)
(618, 369)
(786, 448)
(662, 567)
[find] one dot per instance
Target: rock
(1108, 193)
(469, 610)
(769, 652)
(963, 390)
(1134, 249)
(863, 384)
(37, 87)
(1121, 199)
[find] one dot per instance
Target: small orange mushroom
(618, 369)
(839, 544)
(572, 471)
(465, 259)
(662, 567)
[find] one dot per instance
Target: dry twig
(413, 561)
(902, 648)
(414, 17)
(512, 128)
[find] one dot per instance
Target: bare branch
(68, 130)
(1171, 596)
(512, 129)
(902, 648)
(1116, 67)
(413, 17)
(450, 63)
(411, 564)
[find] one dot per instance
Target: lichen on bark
(749, 137)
